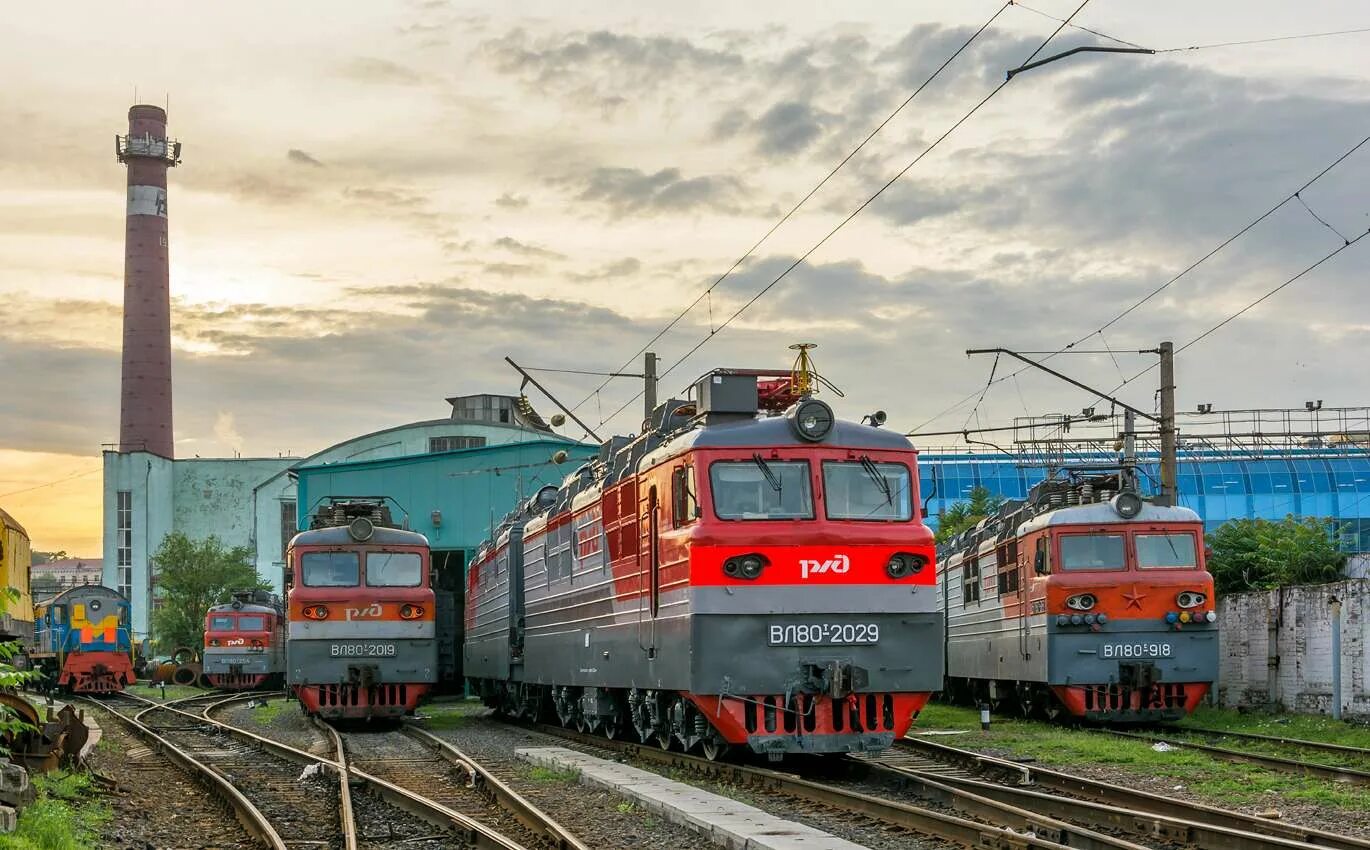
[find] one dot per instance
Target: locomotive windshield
(394, 569)
(330, 569)
(248, 623)
(866, 490)
(1166, 551)
(1093, 552)
(220, 623)
(761, 489)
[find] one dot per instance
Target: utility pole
(649, 384)
(1165, 422)
(1169, 472)
(1130, 449)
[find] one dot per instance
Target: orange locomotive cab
(362, 626)
(1084, 602)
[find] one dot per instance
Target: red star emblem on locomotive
(1134, 599)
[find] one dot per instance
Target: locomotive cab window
(330, 569)
(866, 490)
(761, 489)
(221, 623)
(394, 569)
(249, 623)
(1166, 552)
(1093, 552)
(684, 504)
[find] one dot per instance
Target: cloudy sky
(379, 202)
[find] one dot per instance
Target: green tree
(11, 677)
(192, 576)
(37, 557)
(966, 513)
(1258, 554)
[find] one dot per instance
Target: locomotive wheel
(664, 738)
(714, 747)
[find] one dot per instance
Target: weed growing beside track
(65, 816)
(1206, 778)
(1308, 727)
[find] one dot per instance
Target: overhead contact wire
(821, 183)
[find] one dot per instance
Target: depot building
(447, 479)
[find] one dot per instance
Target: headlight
(316, 612)
(361, 529)
(905, 564)
(745, 566)
(811, 420)
(1190, 599)
(1082, 601)
(410, 612)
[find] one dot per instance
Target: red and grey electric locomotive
(361, 635)
(1084, 600)
(245, 642)
(750, 571)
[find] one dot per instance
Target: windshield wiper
(766, 471)
(879, 479)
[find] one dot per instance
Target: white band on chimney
(147, 200)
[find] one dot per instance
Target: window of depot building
(449, 444)
(761, 489)
(1093, 552)
(394, 569)
(289, 524)
(221, 623)
(484, 408)
(865, 490)
(330, 569)
(1166, 551)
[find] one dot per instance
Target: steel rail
(475, 833)
(247, 814)
(505, 797)
(1279, 739)
(1036, 831)
(1131, 798)
(346, 818)
(1145, 825)
(1284, 765)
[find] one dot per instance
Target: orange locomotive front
(362, 637)
(245, 642)
(1083, 602)
(749, 572)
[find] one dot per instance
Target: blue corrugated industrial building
(1315, 483)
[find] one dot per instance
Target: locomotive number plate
(1136, 650)
(823, 634)
(362, 650)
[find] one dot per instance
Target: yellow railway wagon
(16, 616)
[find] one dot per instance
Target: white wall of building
(1300, 621)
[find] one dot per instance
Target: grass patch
(265, 715)
(1059, 746)
(1308, 727)
(451, 715)
(538, 773)
(172, 691)
(65, 815)
(627, 807)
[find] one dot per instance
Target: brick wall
(1299, 619)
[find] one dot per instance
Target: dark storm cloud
(300, 157)
(629, 190)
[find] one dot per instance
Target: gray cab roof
(772, 431)
(338, 536)
(1102, 513)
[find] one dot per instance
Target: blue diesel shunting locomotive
(82, 640)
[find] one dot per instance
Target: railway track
(961, 803)
(261, 780)
(1337, 773)
(1179, 820)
